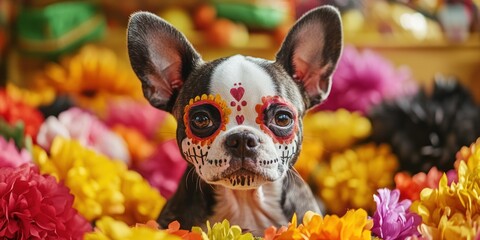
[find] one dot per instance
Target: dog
(239, 118)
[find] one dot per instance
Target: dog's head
(239, 118)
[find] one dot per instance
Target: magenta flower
(164, 168)
(363, 79)
(140, 116)
(393, 219)
(10, 156)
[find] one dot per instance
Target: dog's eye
(201, 120)
(283, 119)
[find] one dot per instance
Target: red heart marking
(239, 119)
(237, 93)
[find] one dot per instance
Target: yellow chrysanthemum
(453, 211)
(35, 96)
(101, 187)
(449, 212)
(310, 156)
(350, 179)
(92, 76)
(337, 130)
(470, 155)
(108, 228)
(353, 225)
(327, 132)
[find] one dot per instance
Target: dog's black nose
(242, 144)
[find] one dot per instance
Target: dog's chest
(252, 210)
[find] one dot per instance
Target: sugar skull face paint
(245, 132)
(205, 116)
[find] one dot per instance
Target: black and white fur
(245, 173)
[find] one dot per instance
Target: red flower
(34, 206)
(15, 111)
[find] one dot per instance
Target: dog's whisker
(189, 174)
(295, 173)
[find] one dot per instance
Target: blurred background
(427, 36)
(405, 97)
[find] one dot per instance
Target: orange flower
(272, 232)
(410, 187)
(138, 146)
(174, 229)
(353, 225)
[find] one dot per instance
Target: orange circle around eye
(215, 101)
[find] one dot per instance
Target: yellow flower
(310, 156)
(108, 228)
(350, 178)
(92, 76)
(337, 130)
(470, 155)
(34, 96)
(221, 231)
(326, 132)
(353, 225)
(101, 186)
(452, 212)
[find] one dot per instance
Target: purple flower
(363, 79)
(392, 219)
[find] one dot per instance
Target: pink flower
(393, 219)
(363, 79)
(10, 156)
(164, 168)
(33, 206)
(86, 129)
(133, 114)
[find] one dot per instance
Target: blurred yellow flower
(326, 132)
(92, 76)
(452, 212)
(310, 156)
(353, 225)
(34, 96)
(108, 228)
(336, 129)
(350, 179)
(101, 186)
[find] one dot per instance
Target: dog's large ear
(161, 57)
(311, 50)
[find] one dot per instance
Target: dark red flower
(13, 111)
(34, 206)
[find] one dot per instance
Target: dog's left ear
(311, 50)
(161, 57)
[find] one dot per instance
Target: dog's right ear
(161, 57)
